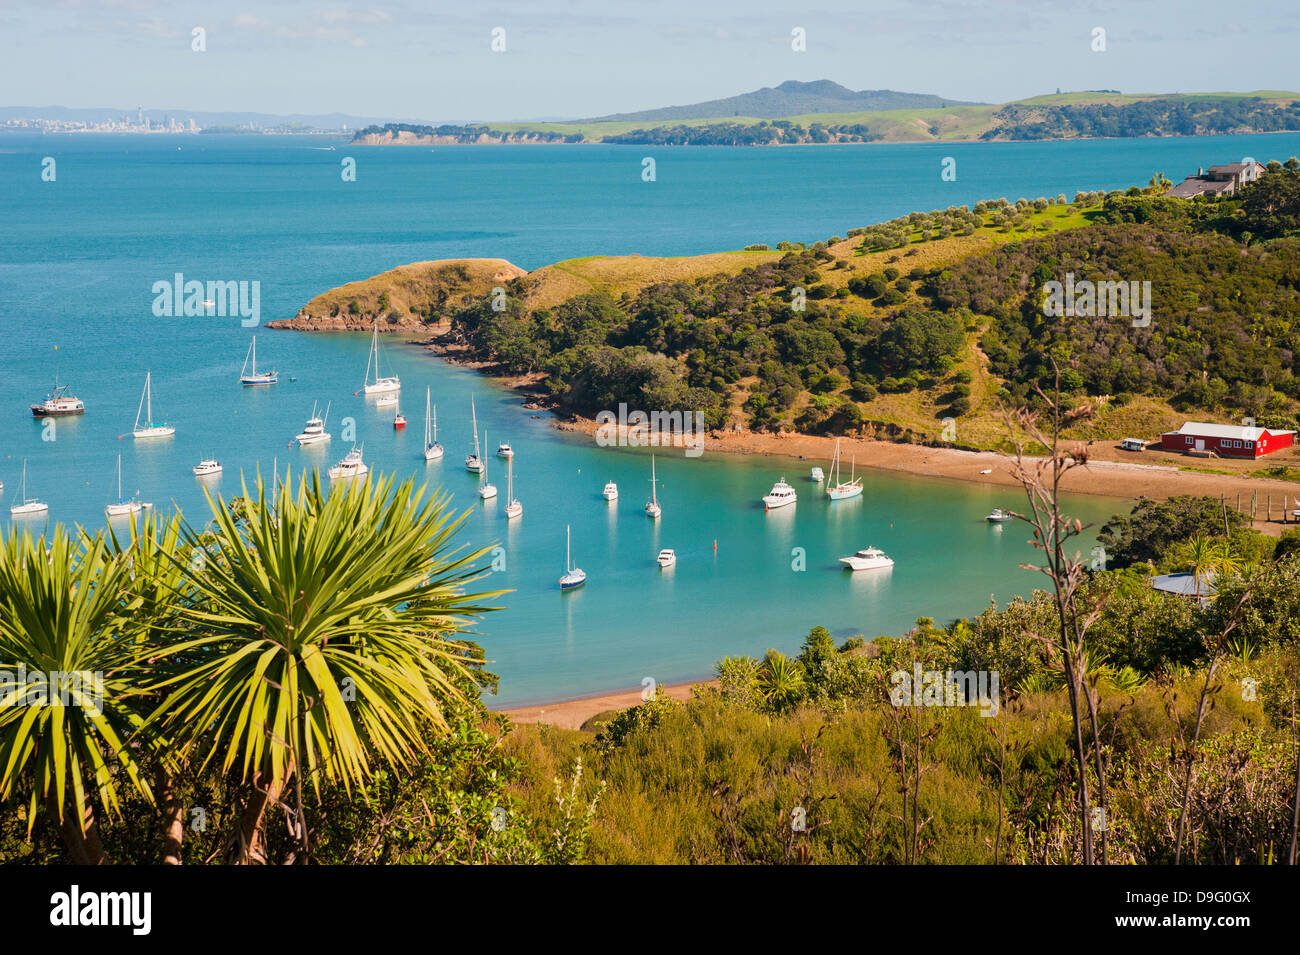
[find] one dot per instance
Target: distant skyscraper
(139, 115)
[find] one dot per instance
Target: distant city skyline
(583, 58)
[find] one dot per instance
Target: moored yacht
(842, 490)
(486, 489)
(59, 403)
(149, 429)
(474, 460)
(817, 474)
(505, 451)
(254, 378)
(999, 516)
(514, 508)
(432, 449)
(611, 491)
(667, 557)
(352, 466)
(652, 508)
(124, 506)
(207, 466)
(870, 558)
(573, 576)
(314, 432)
(27, 506)
(780, 495)
(380, 385)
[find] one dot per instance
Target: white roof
(1240, 432)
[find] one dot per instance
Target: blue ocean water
(79, 257)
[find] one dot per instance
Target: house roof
(1201, 429)
(1195, 185)
(1234, 167)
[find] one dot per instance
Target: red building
(1226, 440)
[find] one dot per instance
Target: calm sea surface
(78, 258)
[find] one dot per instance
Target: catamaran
(514, 508)
(843, 490)
(207, 466)
(474, 460)
(652, 508)
(611, 491)
(150, 430)
(27, 506)
(350, 467)
(381, 385)
(432, 449)
(486, 489)
(573, 576)
(870, 558)
(124, 507)
(254, 378)
(58, 403)
(780, 495)
(314, 432)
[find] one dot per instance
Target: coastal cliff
(408, 298)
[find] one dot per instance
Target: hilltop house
(1226, 440)
(1217, 180)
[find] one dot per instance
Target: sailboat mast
(426, 418)
(148, 394)
(568, 557)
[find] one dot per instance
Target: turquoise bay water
(78, 258)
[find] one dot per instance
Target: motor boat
(871, 558)
(611, 491)
(352, 466)
(817, 474)
(667, 557)
(505, 451)
(999, 516)
(314, 432)
(207, 466)
(58, 403)
(780, 495)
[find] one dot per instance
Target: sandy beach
(571, 714)
(1110, 472)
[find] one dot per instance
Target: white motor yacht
(872, 558)
(780, 495)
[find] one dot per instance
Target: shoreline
(572, 713)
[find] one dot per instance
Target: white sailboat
(514, 508)
(843, 490)
(573, 576)
(150, 430)
(265, 378)
(432, 449)
(474, 460)
(314, 431)
(652, 508)
(381, 385)
(123, 507)
(486, 489)
(27, 506)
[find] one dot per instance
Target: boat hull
(572, 583)
(837, 494)
(873, 563)
(433, 453)
(259, 380)
(42, 412)
(159, 432)
(772, 503)
(29, 509)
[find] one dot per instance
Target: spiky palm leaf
(328, 627)
(68, 611)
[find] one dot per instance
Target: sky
(433, 60)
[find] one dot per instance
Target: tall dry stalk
(1041, 478)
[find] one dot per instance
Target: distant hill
(791, 98)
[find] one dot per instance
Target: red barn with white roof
(1226, 440)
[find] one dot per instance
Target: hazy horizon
(583, 58)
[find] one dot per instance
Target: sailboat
(123, 507)
(473, 461)
(150, 430)
(573, 576)
(486, 489)
(432, 449)
(265, 378)
(514, 508)
(380, 385)
(25, 505)
(399, 420)
(843, 490)
(314, 432)
(652, 508)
